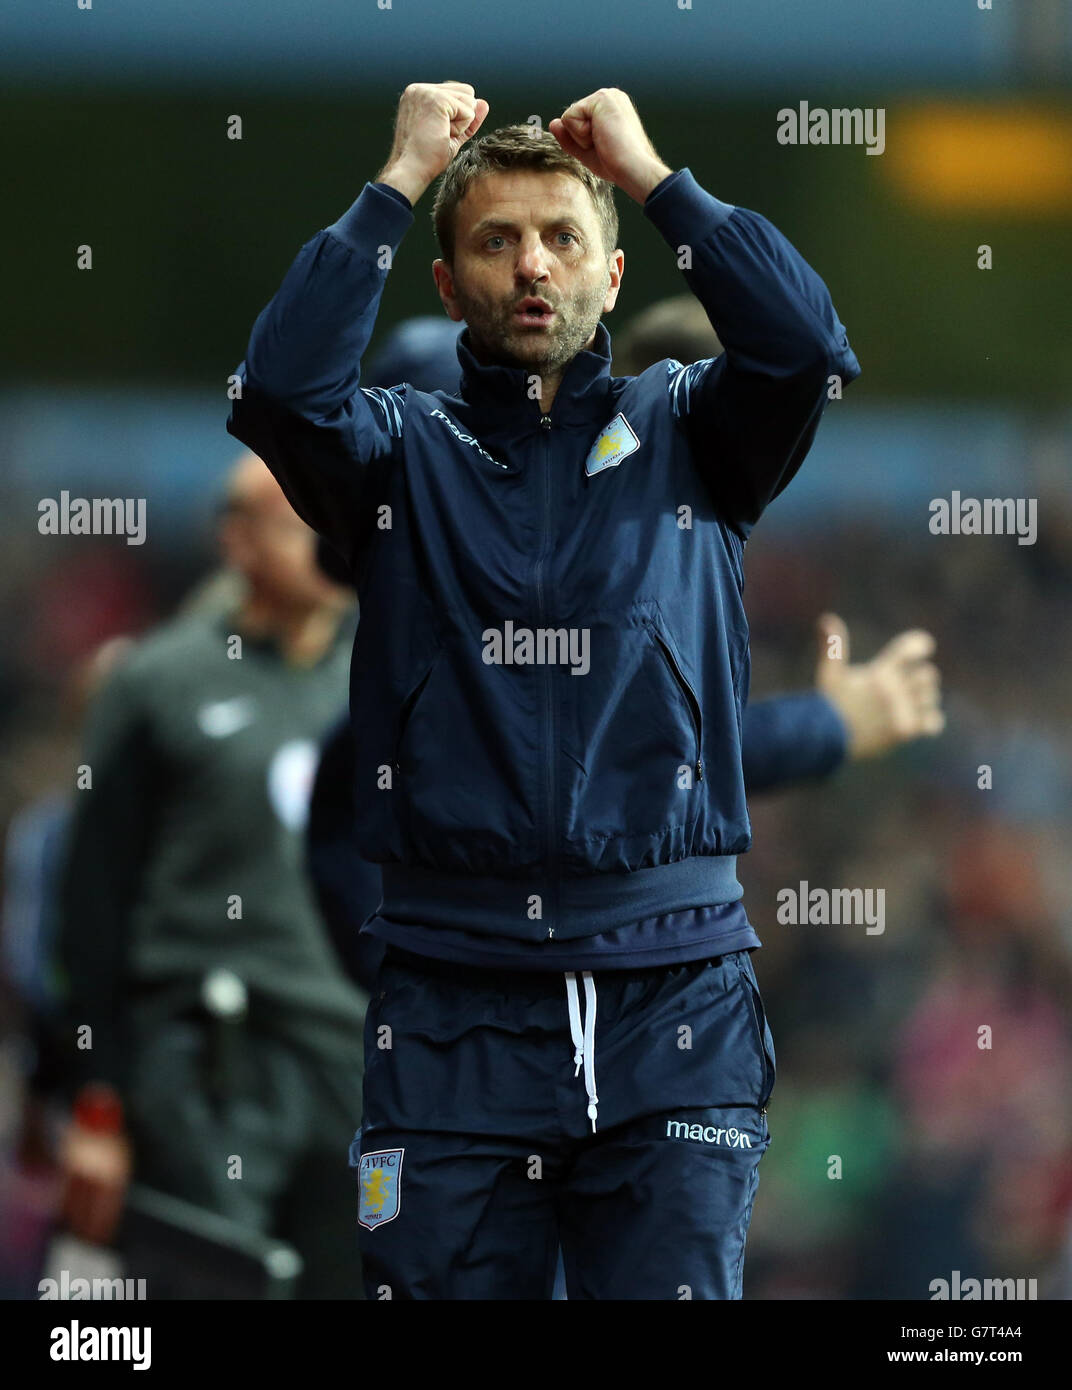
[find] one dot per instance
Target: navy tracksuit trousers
(620, 1114)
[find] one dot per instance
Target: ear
(616, 268)
(444, 281)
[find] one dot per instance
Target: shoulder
(388, 404)
(172, 651)
(681, 379)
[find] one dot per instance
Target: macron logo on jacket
(465, 438)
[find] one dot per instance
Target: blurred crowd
(921, 1118)
(955, 1143)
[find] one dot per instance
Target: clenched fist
(603, 132)
(434, 121)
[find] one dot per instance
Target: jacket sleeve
(789, 738)
(751, 413)
(102, 876)
(301, 408)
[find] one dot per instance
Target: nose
(532, 260)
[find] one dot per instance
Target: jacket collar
(499, 390)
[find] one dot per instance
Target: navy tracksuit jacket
(785, 739)
(548, 680)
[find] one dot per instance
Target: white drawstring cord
(584, 1040)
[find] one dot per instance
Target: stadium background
(116, 127)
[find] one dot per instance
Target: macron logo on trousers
(708, 1134)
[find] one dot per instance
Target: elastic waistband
(531, 909)
(519, 981)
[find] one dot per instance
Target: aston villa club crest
(614, 442)
(380, 1176)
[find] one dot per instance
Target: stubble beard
(498, 338)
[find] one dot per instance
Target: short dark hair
(515, 147)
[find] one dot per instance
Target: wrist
(641, 188)
(847, 725)
(404, 180)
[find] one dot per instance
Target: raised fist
(434, 121)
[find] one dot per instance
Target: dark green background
(192, 232)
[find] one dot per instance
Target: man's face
(523, 234)
(263, 538)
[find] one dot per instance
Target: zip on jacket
(552, 660)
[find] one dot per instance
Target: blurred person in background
(207, 1019)
(34, 846)
(34, 849)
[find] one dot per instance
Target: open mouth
(534, 313)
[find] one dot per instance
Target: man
(548, 680)
(856, 709)
(219, 1048)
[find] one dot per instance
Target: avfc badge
(380, 1176)
(613, 443)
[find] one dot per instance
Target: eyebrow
(488, 224)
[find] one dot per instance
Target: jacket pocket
(408, 708)
(688, 695)
(629, 746)
(465, 756)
